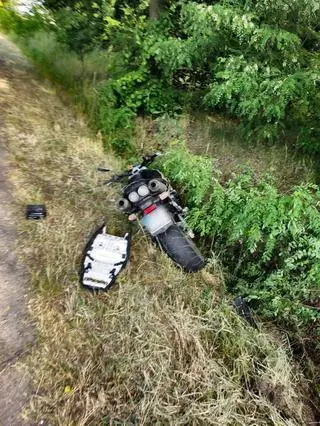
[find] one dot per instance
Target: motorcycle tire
(181, 249)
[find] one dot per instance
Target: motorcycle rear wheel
(180, 249)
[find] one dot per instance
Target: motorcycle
(148, 196)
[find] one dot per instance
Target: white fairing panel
(104, 258)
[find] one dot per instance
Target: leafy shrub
(139, 92)
(269, 241)
(78, 29)
(263, 96)
(250, 68)
(293, 15)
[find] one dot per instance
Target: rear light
(143, 191)
(149, 209)
(133, 197)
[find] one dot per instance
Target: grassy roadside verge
(161, 346)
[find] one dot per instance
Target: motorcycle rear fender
(158, 221)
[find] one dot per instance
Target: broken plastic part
(104, 258)
(36, 211)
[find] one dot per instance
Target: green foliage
(194, 178)
(115, 123)
(139, 92)
(264, 96)
(269, 241)
(254, 71)
(24, 25)
(77, 30)
(293, 15)
(256, 61)
(81, 24)
(120, 99)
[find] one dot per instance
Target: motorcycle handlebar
(148, 159)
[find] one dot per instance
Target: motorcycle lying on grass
(148, 196)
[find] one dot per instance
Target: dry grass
(161, 347)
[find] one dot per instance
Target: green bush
(247, 65)
(116, 123)
(139, 92)
(269, 241)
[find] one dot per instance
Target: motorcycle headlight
(143, 191)
(133, 197)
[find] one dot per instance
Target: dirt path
(16, 333)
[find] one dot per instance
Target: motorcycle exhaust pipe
(123, 205)
(156, 185)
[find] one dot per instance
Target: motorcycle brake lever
(114, 178)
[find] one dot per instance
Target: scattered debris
(104, 258)
(36, 211)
